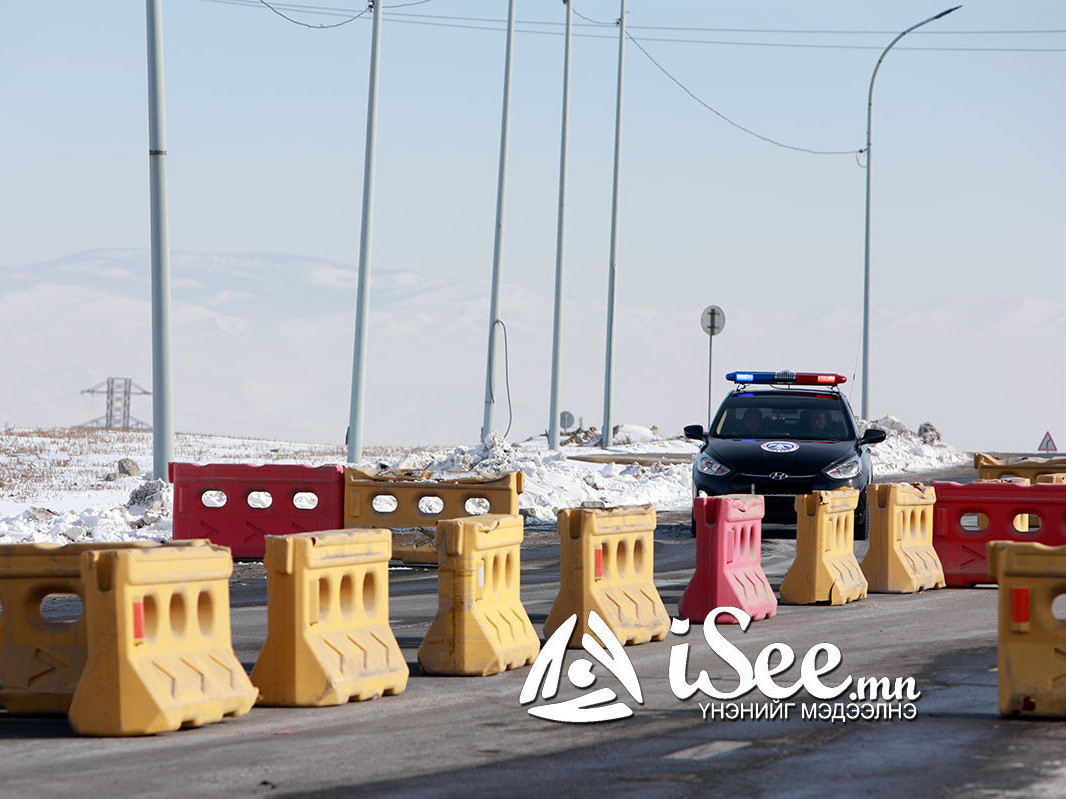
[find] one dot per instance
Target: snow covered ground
(64, 485)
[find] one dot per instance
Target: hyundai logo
(780, 446)
(778, 475)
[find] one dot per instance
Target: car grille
(760, 484)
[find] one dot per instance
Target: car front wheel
(862, 519)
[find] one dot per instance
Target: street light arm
(873, 77)
(866, 245)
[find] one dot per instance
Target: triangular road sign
(1047, 444)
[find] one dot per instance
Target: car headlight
(846, 470)
(708, 465)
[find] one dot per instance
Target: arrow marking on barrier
(227, 669)
(518, 619)
(978, 557)
(256, 532)
(361, 648)
(198, 673)
(1062, 655)
(51, 663)
(495, 627)
(169, 676)
(340, 654)
(648, 597)
(510, 627)
(384, 646)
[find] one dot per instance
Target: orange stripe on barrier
(138, 620)
(1019, 605)
(599, 562)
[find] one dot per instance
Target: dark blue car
(793, 434)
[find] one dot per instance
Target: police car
(780, 434)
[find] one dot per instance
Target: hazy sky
(265, 133)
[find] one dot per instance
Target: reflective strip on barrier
(411, 505)
(990, 467)
(237, 504)
(1032, 670)
(328, 635)
(825, 569)
(622, 590)
(1056, 479)
(41, 659)
(182, 672)
(967, 516)
(901, 558)
(729, 569)
(481, 626)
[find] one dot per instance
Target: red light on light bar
(813, 378)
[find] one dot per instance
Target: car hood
(749, 456)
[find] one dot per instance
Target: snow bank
(905, 450)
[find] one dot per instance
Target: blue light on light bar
(751, 377)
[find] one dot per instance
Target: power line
(713, 110)
(495, 25)
(726, 119)
(316, 27)
(794, 31)
(589, 19)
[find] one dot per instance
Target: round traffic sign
(566, 420)
(712, 320)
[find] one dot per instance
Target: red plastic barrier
(241, 526)
(728, 560)
(963, 552)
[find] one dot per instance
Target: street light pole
(362, 301)
(560, 241)
(866, 258)
(497, 246)
(608, 371)
(162, 401)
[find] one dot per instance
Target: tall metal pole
(362, 310)
(497, 247)
(710, 380)
(557, 327)
(608, 372)
(162, 416)
(866, 257)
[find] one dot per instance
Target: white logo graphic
(599, 705)
(780, 446)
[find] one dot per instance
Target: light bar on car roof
(787, 378)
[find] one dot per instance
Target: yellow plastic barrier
(42, 659)
(1057, 478)
(990, 467)
(481, 626)
(1031, 639)
(825, 569)
(411, 505)
(901, 558)
(159, 650)
(606, 564)
(328, 635)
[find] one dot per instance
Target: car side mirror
(694, 431)
(873, 436)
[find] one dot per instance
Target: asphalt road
(454, 736)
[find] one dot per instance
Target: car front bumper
(780, 495)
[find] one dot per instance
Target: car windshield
(817, 417)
